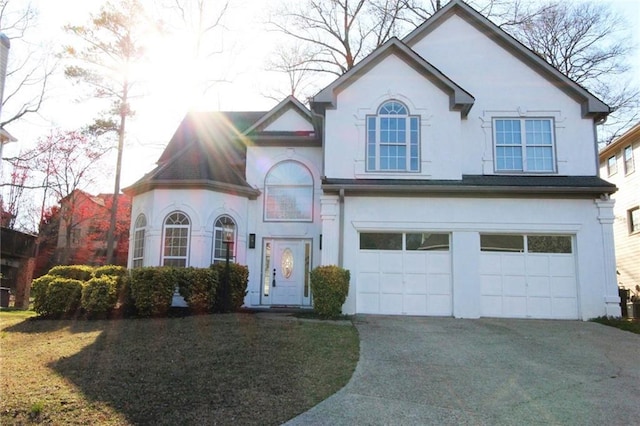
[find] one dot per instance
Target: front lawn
(209, 369)
(632, 325)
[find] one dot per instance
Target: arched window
(288, 193)
(393, 139)
(219, 247)
(138, 241)
(176, 240)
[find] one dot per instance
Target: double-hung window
(627, 154)
(176, 240)
(219, 246)
(138, 241)
(393, 139)
(524, 145)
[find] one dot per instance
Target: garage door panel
(514, 286)
(515, 307)
(562, 266)
(490, 264)
(415, 283)
(415, 304)
(368, 262)
(415, 263)
(369, 282)
(439, 305)
(563, 287)
(565, 307)
(390, 262)
(537, 265)
(439, 284)
(491, 306)
(491, 285)
(391, 304)
(391, 283)
(539, 307)
(368, 303)
(513, 264)
(538, 286)
(439, 263)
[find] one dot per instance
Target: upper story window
(219, 246)
(633, 218)
(393, 139)
(176, 240)
(627, 154)
(288, 193)
(524, 145)
(138, 241)
(612, 165)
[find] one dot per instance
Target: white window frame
(634, 224)
(612, 165)
(218, 243)
(523, 145)
(176, 226)
(304, 186)
(137, 256)
(627, 156)
(411, 142)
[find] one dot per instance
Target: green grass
(210, 369)
(632, 325)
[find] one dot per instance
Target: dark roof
(479, 184)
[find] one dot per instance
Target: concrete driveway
(487, 372)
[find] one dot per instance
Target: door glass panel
(380, 241)
(549, 244)
(267, 268)
(307, 265)
(508, 243)
(427, 241)
(287, 263)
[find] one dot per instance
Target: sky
(246, 46)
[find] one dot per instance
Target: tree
(109, 49)
(29, 68)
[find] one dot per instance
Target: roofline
(591, 105)
(627, 137)
(264, 139)
(459, 99)
(142, 187)
(278, 110)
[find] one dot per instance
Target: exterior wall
(503, 86)
(628, 196)
(288, 121)
(466, 218)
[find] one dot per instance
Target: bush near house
(152, 289)
(124, 300)
(57, 296)
(238, 281)
(330, 286)
(199, 287)
(100, 295)
(75, 272)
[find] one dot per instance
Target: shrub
(124, 302)
(74, 272)
(62, 297)
(198, 286)
(39, 288)
(152, 289)
(329, 286)
(238, 280)
(99, 295)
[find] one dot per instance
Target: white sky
(157, 116)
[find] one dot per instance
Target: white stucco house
(453, 172)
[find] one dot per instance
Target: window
(380, 241)
(288, 193)
(219, 247)
(75, 236)
(428, 241)
(627, 154)
(524, 145)
(612, 166)
(393, 139)
(424, 241)
(634, 220)
(138, 241)
(176, 240)
(534, 243)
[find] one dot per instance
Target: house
(83, 226)
(618, 163)
(453, 172)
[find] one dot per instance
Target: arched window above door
(288, 193)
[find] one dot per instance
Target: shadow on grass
(210, 369)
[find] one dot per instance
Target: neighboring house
(618, 164)
(453, 172)
(83, 227)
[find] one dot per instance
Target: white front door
(286, 272)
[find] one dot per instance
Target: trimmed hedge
(238, 281)
(199, 287)
(57, 296)
(99, 295)
(330, 287)
(124, 300)
(152, 289)
(75, 272)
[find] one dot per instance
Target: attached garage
(404, 274)
(528, 276)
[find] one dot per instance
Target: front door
(286, 270)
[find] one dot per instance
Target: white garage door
(528, 276)
(404, 274)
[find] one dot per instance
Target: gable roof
(459, 98)
(628, 137)
(290, 102)
(591, 105)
